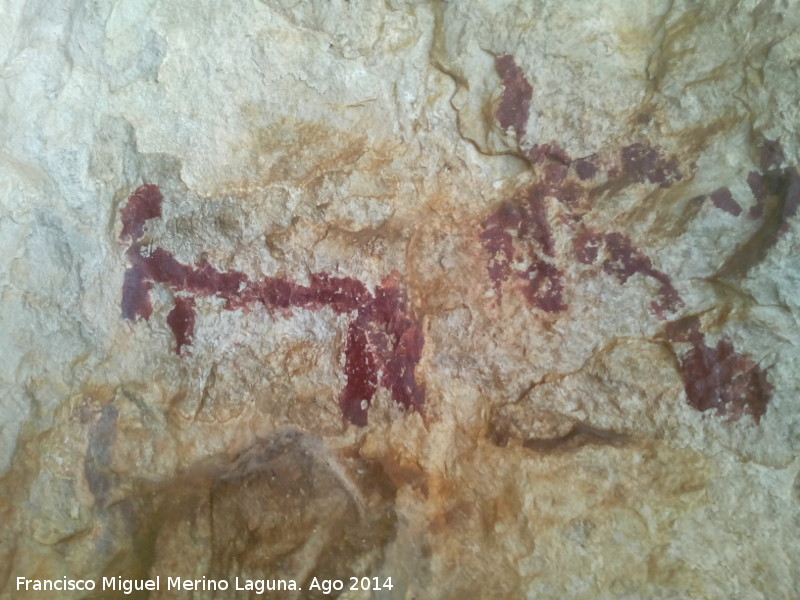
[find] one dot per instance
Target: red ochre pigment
(523, 224)
(520, 229)
(645, 164)
(624, 261)
(723, 200)
(516, 101)
(384, 343)
(181, 321)
(717, 377)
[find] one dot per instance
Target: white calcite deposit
(490, 299)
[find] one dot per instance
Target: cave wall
(497, 299)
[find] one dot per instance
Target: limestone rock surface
(497, 299)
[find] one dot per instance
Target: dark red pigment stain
(624, 261)
(384, 343)
(552, 152)
(136, 295)
(587, 244)
(645, 164)
(181, 321)
(544, 287)
(519, 230)
(791, 200)
(143, 204)
(585, 169)
(771, 155)
(723, 200)
(638, 162)
(382, 336)
(717, 377)
(516, 101)
(515, 107)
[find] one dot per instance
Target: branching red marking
(524, 224)
(624, 261)
(715, 377)
(520, 229)
(499, 243)
(384, 343)
(718, 378)
(544, 288)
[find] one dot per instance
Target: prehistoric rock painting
(384, 341)
(519, 232)
(520, 228)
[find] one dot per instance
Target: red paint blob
(585, 169)
(360, 368)
(143, 204)
(136, 295)
(181, 321)
(500, 246)
(791, 198)
(771, 155)
(384, 336)
(587, 244)
(516, 101)
(723, 200)
(717, 377)
(520, 229)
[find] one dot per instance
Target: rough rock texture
(497, 299)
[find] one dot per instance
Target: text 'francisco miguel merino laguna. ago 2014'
(259, 586)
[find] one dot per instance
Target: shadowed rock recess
(400, 300)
